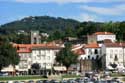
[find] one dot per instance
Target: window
(116, 58)
(39, 52)
(39, 56)
(90, 51)
(18, 48)
(97, 57)
(111, 51)
(111, 56)
(92, 58)
(48, 57)
(35, 40)
(96, 51)
(88, 57)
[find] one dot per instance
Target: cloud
(114, 10)
(88, 17)
(69, 1)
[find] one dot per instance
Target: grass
(117, 75)
(20, 78)
(70, 76)
(33, 77)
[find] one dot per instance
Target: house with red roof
(113, 56)
(101, 36)
(42, 54)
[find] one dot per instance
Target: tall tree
(66, 56)
(36, 68)
(8, 55)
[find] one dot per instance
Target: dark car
(39, 81)
(54, 81)
(64, 81)
(31, 81)
(46, 81)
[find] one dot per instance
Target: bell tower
(35, 37)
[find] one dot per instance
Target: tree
(36, 68)
(8, 55)
(113, 65)
(66, 56)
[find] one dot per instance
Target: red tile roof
(26, 48)
(103, 33)
(79, 51)
(107, 41)
(114, 44)
(92, 45)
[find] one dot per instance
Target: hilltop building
(35, 37)
(98, 37)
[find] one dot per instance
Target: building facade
(92, 51)
(42, 54)
(35, 37)
(101, 36)
(24, 52)
(113, 56)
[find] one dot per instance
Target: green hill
(42, 23)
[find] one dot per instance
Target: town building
(92, 51)
(35, 37)
(24, 52)
(98, 37)
(88, 56)
(113, 56)
(42, 54)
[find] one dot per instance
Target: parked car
(46, 81)
(39, 81)
(3, 74)
(9, 81)
(31, 81)
(64, 81)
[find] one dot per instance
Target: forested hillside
(58, 28)
(42, 23)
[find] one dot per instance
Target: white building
(100, 36)
(24, 52)
(44, 55)
(113, 54)
(88, 51)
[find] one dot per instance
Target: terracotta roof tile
(114, 44)
(103, 33)
(25, 48)
(79, 51)
(92, 45)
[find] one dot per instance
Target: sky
(81, 10)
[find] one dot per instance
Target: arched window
(97, 57)
(35, 40)
(92, 58)
(88, 57)
(116, 58)
(96, 51)
(90, 51)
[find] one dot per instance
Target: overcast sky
(82, 10)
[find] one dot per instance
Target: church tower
(35, 37)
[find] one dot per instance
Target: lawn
(117, 75)
(20, 78)
(33, 77)
(70, 76)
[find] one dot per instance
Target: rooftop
(103, 33)
(92, 45)
(26, 48)
(114, 44)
